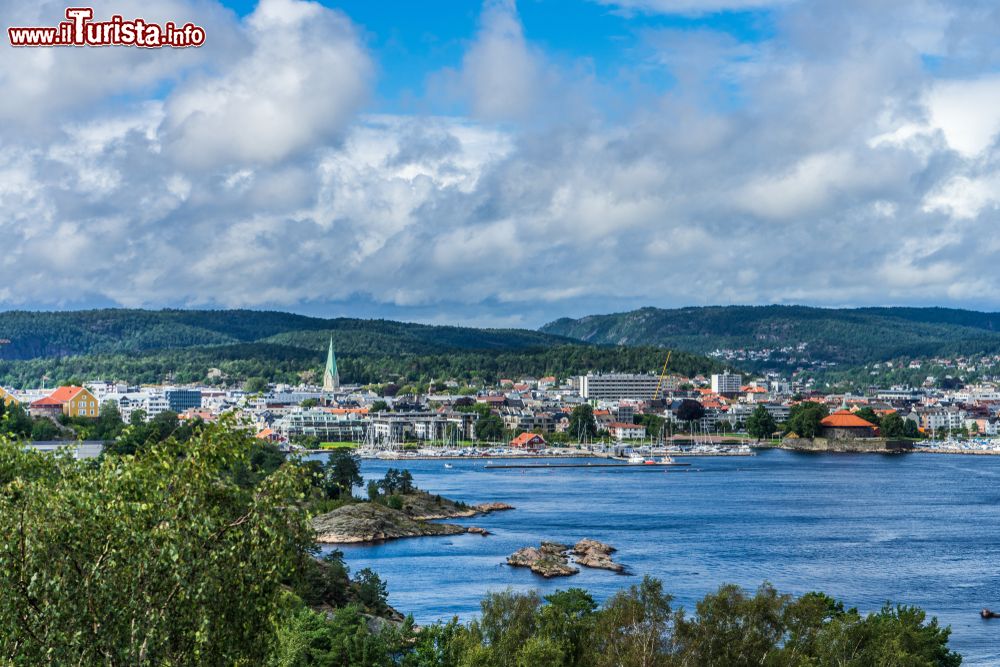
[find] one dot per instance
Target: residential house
(529, 441)
(626, 431)
(71, 401)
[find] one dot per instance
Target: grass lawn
(339, 445)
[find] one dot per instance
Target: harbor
(645, 465)
(825, 522)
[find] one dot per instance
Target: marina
(645, 465)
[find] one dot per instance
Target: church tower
(331, 378)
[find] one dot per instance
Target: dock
(545, 466)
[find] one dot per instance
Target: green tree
(44, 429)
(634, 627)
(895, 426)
(868, 415)
(342, 639)
(804, 418)
(158, 559)
(379, 406)
(689, 410)
(732, 628)
(760, 424)
(255, 385)
(343, 470)
(489, 428)
(582, 424)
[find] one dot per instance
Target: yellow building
(7, 397)
(71, 401)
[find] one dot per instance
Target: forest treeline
(231, 365)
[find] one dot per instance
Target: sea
(918, 529)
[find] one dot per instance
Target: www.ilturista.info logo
(80, 30)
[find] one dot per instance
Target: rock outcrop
(423, 506)
(591, 553)
(372, 522)
(486, 508)
(551, 559)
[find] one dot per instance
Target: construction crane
(663, 375)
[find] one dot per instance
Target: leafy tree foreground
(197, 550)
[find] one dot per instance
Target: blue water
(917, 529)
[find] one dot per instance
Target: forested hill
(34, 335)
(231, 346)
(793, 334)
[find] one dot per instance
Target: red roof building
(846, 424)
(528, 441)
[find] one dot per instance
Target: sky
(501, 164)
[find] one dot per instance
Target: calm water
(919, 529)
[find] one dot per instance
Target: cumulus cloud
(692, 7)
(303, 81)
(967, 112)
(827, 164)
(501, 75)
(44, 87)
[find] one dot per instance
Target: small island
(551, 559)
(396, 509)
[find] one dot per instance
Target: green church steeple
(331, 378)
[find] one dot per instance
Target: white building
(727, 383)
(618, 386)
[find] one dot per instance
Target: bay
(916, 529)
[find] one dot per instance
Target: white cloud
(967, 112)
(834, 170)
(300, 85)
(500, 71)
(45, 86)
(692, 7)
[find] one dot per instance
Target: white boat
(666, 460)
(636, 459)
(448, 466)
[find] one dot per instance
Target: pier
(629, 466)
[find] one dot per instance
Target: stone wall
(865, 445)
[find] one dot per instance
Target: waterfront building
(845, 425)
(529, 441)
(618, 386)
(322, 424)
(626, 431)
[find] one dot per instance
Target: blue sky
(507, 163)
(412, 40)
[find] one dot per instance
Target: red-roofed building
(72, 401)
(531, 441)
(844, 424)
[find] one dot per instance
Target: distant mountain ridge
(230, 346)
(36, 335)
(846, 336)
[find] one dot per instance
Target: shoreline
(560, 455)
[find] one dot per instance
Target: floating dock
(542, 466)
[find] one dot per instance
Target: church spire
(331, 378)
